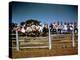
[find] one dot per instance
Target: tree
(29, 21)
(22, 23)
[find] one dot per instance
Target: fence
(51, 41)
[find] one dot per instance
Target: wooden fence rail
(49, 44)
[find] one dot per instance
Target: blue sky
(46, 13)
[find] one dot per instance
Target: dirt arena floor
(45, 52)
(28, 53)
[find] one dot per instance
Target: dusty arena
(61, 45)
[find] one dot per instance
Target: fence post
(49, 40)
(17, 41)
(73, 36)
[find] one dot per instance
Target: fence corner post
(17, 41)
(49, 40)
(73, 42)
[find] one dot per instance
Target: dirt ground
(28, 53)
(56, 50)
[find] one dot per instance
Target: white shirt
(38, 27)
(65, 27)
(23, 30)
(28, 29)
(33, 27)
(71, 27)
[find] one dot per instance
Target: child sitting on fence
(45, 30)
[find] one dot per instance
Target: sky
(46, 13)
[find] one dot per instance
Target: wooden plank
(32, 47)
(36, 47)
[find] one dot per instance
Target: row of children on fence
(55, 27)
(33, 29)
(63, 28)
